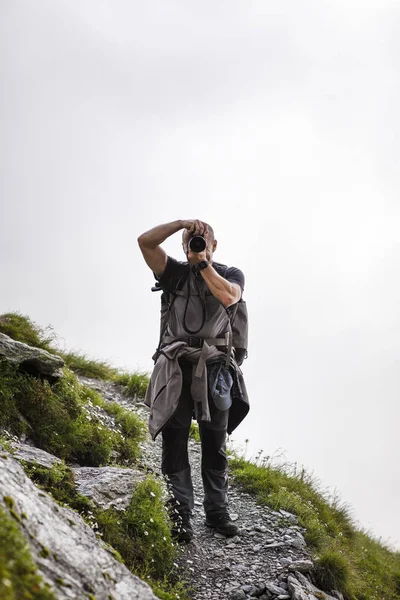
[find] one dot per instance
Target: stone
(82, 559)
(107, 486)
(303, 566)
(248, 589)
(31, 454)
(34, 361)
(274, 589)
(298, 541)
(289, 516)
(237, 595)
(295, 589)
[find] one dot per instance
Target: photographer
(196, 369)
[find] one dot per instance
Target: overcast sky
(278, 123)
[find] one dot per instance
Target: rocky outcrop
(70, 558)
(31, 360)
(107, 486)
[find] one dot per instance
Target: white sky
(278, 124)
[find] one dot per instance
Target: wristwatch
(202, 265)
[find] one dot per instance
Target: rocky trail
(269, 557)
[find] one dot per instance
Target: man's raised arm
(149, 243)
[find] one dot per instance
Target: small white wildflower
(146, 533)
(164, 538)
(151, 520)
(152, 494)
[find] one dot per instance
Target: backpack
(238, 318)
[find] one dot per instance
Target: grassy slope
(55, 418)
(347, 559)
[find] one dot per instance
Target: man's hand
(195, 227)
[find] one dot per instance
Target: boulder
(69, 556)
(31, 454)
(34, 361)
(107, 486)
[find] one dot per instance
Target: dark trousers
(214, 464)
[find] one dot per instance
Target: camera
(197, 243)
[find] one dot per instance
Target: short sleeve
(235, 275)
(173, 271)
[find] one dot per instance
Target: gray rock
(295, 589)
(31, 360)
(303, 566)
(248, 589)
(289, 516)
(237, 595)
(274, 545)
(275, 589)
(83, 561)
(297, 541)
(107, 486)
(337, 595)
(259, 591)
(306, 586)
(34, 455)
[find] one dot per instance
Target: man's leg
(175, 461)
(214, 471)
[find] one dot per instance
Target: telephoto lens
(197, 243)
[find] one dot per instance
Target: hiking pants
(214, 464)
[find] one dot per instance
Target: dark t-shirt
(175, 270)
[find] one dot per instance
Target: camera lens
(197, 243)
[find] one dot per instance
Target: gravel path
(259, 562)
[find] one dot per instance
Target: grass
(54, 417)
(347, 559)
(139, 535)
(194, 432)
(18, 572)
(60, 483)
(21, 328)
(88, 367)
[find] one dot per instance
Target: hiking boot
(181, 529)
(222, 523)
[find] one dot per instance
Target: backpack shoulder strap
(170, 299)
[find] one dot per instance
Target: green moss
(9, 502)
(59, 581)
(131, 426)
(55, 418)
(59, 481)
(16, 516)
(18, 572)
(194, 432)
(141, 534)
(45, 552)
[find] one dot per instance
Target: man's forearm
(154, 237)
(226, 292)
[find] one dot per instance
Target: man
(195, 371)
